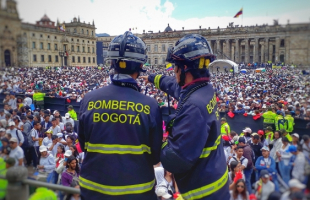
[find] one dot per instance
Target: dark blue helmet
(127, 52)
(190, 49)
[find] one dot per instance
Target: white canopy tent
(223, 66)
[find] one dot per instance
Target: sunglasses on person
(241, 186)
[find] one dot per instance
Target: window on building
(73, 59)
(78, 40)
(163, 61)
(92, 42)
(75, 30)
(33, 35)
(72, 48)
(78, 48)
(93, 50)
(170, 45)
(65, 47)
(34, 58)
(156, 61)
(82, 31)
(41, 45)
(84, 60)
(42, 58)
(87, 32)
(71, 39)
(56, 47)
(163, 47)
(273, 48)
(88, 49)
(83, 49)
(55, 37)
(94, 60)
(282, 58)
(88, 41)
(33, 45)
(83, 41)
(41, 35)
(49, 58)
(48, 36)
(79, 59)
(89, 61)
(56, 58)
(149, 60)
(155, 48)
(48, 46)
(148, 47)
(92, 33)
(282, 44)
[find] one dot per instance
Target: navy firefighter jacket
(121, 132)
(194, 152)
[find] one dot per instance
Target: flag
(239, 13)
(169, 67)
(62, 27)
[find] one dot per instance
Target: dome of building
(45, 18)
(102, 35)
(168, 28)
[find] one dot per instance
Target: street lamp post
(61, 54)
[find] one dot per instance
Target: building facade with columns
(44, 43)
(288, 43)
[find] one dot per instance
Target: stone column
(228, 49)
(218, 47)
(287, 50)
(262, 50)
(277, 56)
(15, 188)
(270, 52)
(237, 51)
(256, 50)
(266, 48)
(247, 51)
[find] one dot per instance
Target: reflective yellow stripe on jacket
(117, 148)
(116, 190)
(207, 189)
(156, 81)
(206, 151)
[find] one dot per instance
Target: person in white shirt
(264, 187)
(55, 128)
(240, 159)
(48, 139)
(16, 133)
(47, 163)
(306, 145)
(16, 152)
(295, 186)
(35, 138)
(13, 101)
(67, 118)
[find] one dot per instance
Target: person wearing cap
(264, 187)
(162, 191)
(67, 119)
(249, 155)
(38, 99)
(47, 163)
(295, 186)
(72, 112)
(295, 137)
(119, 125)
(298, 171)
(279, 121)
(268, 133)
(206, 163)
(269, 118)
(9, 162)
(16, 152)
(55, 128)
(225, 128)
(63, 162)
(16, 133)
(246, 133)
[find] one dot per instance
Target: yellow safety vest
(3, 182)
(223, 130)
(269, 117)
(38, 96)
(289, 123)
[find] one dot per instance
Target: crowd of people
(271, 163)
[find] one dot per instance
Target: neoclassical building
(289, 43)
(44, 43)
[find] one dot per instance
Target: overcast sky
(117, 16)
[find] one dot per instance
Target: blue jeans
(35, 155)
(55, 179)
(285, 171)
(247, 174)
(50, 177)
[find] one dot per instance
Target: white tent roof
(221, 65)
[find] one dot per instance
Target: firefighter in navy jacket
(120, 130)
(193, 152)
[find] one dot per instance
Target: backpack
(30, 141)
(237, 160)
(25, 143)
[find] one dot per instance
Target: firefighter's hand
(145, 78)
